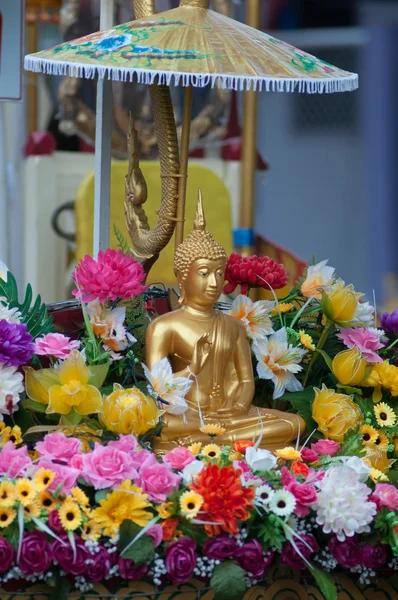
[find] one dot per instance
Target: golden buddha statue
(212, 348)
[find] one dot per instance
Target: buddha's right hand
(200, 354)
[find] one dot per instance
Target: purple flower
(64, 555)
(251, 558)
(100, 565)
(36, 554)
(54, 522)
(6, 555)
(128, 570)
(16, 344)
(181, 559)
(376, 556)
(220, 547)
(347, 553)
(389, 322)
(289, 556)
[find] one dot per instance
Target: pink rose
(367, 340)
(55, 344)
(107, 467)
(309, 456)
(77, 462)
(126, 443)
(57, 446)
(385, 495)
(67, 476)
(305, 495)
(179, 458)
(156, 532)
(14, 461)
(138, 458)
(157, 480)
(325, 447)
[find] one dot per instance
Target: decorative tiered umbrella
(191, 46)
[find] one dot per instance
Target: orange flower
(169, 529)
(300, 468)
(242, 445)
(225, 500)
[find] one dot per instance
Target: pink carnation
(107, 467)
(57, 446)
(367, 340)
(67, 476)
(14, 461)
(325, 447)
(179, 458)
(55, 344)
(385, 495)
(113, 275)
(157, 480)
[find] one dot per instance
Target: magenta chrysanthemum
(16, 344)
(113, 275)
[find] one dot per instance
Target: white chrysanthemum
(163, 383)
(11, 385)
(365, 314)
(254, 315)
(279, 361)
(264, 493)
(11, 315)
(343, 507)
(282, 503)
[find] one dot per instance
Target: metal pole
(244, 236)
(103, 148)
(4, 207)
(182, 186)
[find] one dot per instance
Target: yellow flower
(47, 501)
(378, 459)
(195, 448)
(369, 434)
(69, 387)
(235, 456)
(25, 491)
(382, 441)
(70, 515)
(11, 434)
(212, 429)
(376, 476)
(165, 510)
(32, 509)
(190, 503)
(7, 515)
(127, 502)
(335, 413)
(79, 496)
(349, 366)
(306, 340)
(395, 442)
(341, 304)
(7, 494)
(385, 416)
(283, 307)
(129, 411)
(383, 375)
(211, 451)
(43, 478)
(91, 531)
(288, 453)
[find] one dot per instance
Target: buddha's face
(204, 282)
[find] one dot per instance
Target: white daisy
(278, 361)
(254, 315)
(11, 385)
(163, 383)
(264, 493)
(12, 315)
(282, 503)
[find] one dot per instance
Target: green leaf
(101, 495)
(349, 390)
(326, 358)
(143, 549)
(300, 401)
(98, 374)
(352, 444)
(62, 589)
(228, 581)
(32, 405)
(121, 240)
(325, 583)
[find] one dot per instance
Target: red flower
(300, 468)
(242, 445)
(225, 500)
(169, 527)
(259, 271)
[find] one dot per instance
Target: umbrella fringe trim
(150, 76)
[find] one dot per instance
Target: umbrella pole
(182, 186)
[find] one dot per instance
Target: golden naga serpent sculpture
(147, 243)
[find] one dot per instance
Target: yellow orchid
(72, 386)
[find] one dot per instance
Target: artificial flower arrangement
(91, 502)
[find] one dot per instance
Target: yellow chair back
(216, 199)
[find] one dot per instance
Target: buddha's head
(199, 264)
